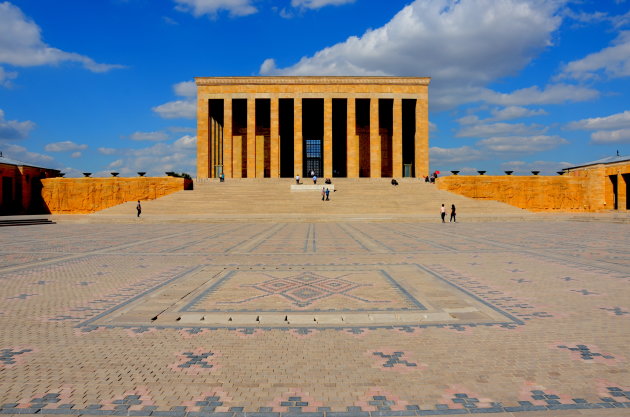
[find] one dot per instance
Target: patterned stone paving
(315, 319)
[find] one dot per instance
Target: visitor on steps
(139, 208)
(443, 213)
(314, 179)
(323, 193)
(327, 193)
(394, 182)
(452, 214)
(297, 179)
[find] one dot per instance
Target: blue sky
(106, 85)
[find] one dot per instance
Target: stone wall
(87, 195)
(535, 193)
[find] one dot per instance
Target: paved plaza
(315, 319)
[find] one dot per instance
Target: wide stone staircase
(273, 200)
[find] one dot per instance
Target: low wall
(87, 195)
(535, 193)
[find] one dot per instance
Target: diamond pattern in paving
(272, 318)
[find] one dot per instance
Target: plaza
(339, 318)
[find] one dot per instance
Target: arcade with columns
(272, 127)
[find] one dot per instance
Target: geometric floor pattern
(315, 319)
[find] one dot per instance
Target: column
(227, 137)
(297, 136)
(375, 140)
(237, 160)
(274, 164)
(397, 139)
(260, 156)
(422, 136)
(352, 141)
(328, 137)
(203, 150)
(251, 137)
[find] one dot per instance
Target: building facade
(272, 127)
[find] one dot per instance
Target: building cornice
(415, 81)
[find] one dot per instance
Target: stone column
(422, 136)
(621, 193)
(227, 137)
(237, 152)
(297, 136)
(274, 168)
(251, 137)
(328, 137)
(375, 140)
(397, 139)
(203, 147)
(352, 141)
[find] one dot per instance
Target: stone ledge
(312, 187)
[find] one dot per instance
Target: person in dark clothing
(452, 214)
(139, 208)
(327, 194)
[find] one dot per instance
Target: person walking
(139, 208)
(323, 193)
(443, 213)
(453, 214)
(297, 179)
(314, 179)
(327, 194)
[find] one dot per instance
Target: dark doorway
(285, 117)
(409, 134)
(615, 191)
(313, 134)
(7, 195)
(626, 180)
(263, 128)
(385, 123)
(339, 135)
(239, 128)
(363, 132)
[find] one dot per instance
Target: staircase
(272, 200)
(24, 221)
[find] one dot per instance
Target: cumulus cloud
(611, 136)
(545, 167)
(522, 144)
(514, 112)
(441, 156)
(463, 45)
(65, 146)
(150, 136)
(213, 7)
(107, 151)
(552, 94)
(21, 44)
(14, 130)
(614, 121)
(484, 130)
(75, 155)
(613, 61)
(180, 109)
(318, 4)
(20, 153)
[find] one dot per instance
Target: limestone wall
(535, 193)
(87, 195)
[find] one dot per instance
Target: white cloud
(20, 153)
(21, 44)
(14, 130)
(484, 130)
(545, 167)
(614, 121)
(107, 151)
(75, 155)
(116, 164)
(151, 136)
(185, 89)
(441, 156)
(463, 45)
(552, 94)
(6, 77)
(317, 4)
(613, 61)
(213, 7)
(522, 144)
(65, 146)
(514, 112)
(611, 136)
(179, 109)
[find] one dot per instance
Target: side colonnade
(272, 127)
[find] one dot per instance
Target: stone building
(271, 127)
(21, 187)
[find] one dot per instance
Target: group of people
(431, 178)
(443, 214)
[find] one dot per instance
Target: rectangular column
(251, 137)
(375, 140)
(274, 168)
(227, 137)
(422, 136)
(297, 136)
(397, 139)
(260, 156)
(328, 151)
(352, 140)
(203, 147)
(237, 156)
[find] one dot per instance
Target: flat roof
(312, 80)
